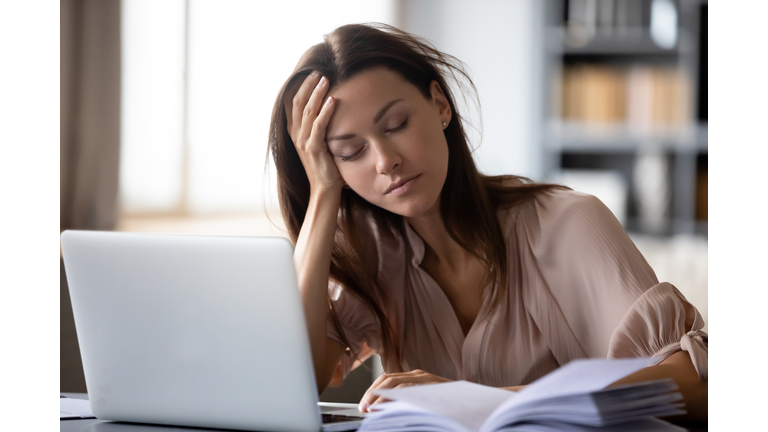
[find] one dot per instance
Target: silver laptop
(195, 331)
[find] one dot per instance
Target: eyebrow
(376, 119)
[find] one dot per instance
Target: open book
(573, 397)
(74, 408)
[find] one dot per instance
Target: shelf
(621, 138)
(631, 43)
(601, 69)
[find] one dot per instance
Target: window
(199, 82)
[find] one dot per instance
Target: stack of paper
(573, 397)
(74, 408)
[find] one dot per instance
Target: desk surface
(96, 425)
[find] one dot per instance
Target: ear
(440, 101)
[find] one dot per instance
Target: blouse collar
(416, 244)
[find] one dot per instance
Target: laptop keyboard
(330, 418)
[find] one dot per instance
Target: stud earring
(445, 125)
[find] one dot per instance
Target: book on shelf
(643, 97)
(575, 397)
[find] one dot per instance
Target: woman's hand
(308, 118)
(396, 380)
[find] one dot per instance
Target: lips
(400, 186)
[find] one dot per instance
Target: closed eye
(353, 156)
(402, 126)
(359, 152)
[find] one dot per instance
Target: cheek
(435, 154)
(356, 176)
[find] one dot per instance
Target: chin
(411, 208)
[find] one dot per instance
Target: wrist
(326, 194)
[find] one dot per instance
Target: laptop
(197, 331)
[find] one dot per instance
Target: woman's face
(387, 141)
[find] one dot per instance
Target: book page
(464, 402)
(74, 408)
(577, 377)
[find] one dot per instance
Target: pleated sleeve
(660, 323)
(357, 322)
(355, 319)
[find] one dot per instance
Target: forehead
(363, 95)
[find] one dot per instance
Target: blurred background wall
(165, 111)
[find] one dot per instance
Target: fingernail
(323, 81)
(329, 101)
(314, 72)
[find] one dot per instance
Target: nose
(388, 159)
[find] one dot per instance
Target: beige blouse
(578, 288)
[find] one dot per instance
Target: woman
(404, 249)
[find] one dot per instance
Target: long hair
(469, 200)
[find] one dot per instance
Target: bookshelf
(625, 85)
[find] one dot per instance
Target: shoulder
(575, 220)
(573, 232)
(558, 210)
(577, 233)
(569, 207)
(517, 195)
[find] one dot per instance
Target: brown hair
(469, 200)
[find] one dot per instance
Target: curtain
(90, 141)
(90, 113)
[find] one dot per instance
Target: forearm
(312, 257)
(680, 368)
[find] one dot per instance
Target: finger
(387, 383)
(387, 380)
(316, 139)
(299, 100)
(312, 109)
(376, 383)
(301, 96)
(382, 399)
(363, 405)
(379, 400)
(290, 93)
(396, 381)
(368, 397)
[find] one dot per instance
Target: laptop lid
(191, 330)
